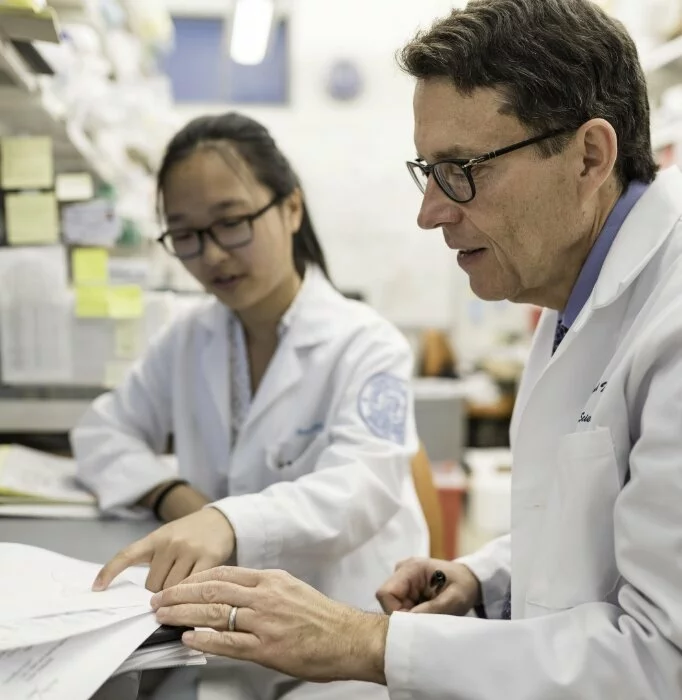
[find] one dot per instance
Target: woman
(289, 405)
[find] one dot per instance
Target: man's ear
(597, 142)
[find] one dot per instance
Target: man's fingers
(214, 615)
(447, 603)
(139, 552)
(204, 593)
(234, 645)
(389, 602)
(430, 607)
(229, 574)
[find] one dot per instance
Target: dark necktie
(559, 335)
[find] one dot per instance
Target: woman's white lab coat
(596, 503)
(319, 480)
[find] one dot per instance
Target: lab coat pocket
(296, 456)
(575, 560)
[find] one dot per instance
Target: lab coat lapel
(214, 397)
(283, 373)
(309, 323)
(645, 230)
(643, 233)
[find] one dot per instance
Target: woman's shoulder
(344, 316)
(189, 316)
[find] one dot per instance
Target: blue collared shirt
(595, 260)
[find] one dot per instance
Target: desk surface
(91, 540)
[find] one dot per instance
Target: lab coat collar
(307, 323)
(645, 230)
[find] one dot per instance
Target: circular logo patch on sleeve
(382, 404)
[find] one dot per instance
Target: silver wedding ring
(232, 620)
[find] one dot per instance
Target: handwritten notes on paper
(61, 641)
(35, 316)
(93, 223)
(31, 475)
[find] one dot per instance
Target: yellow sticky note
(92, 302)
(125, 301)
(114, 373)
(74, 187)
(126, 340)
(27, 162)
(31, 217)
(90, 266)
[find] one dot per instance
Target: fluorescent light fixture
(251, 25)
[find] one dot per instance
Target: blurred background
(91, 91)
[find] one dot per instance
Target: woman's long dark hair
(268, 164)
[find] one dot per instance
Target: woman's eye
(181, 235)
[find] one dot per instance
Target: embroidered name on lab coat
(382, 405)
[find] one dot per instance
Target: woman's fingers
(140, 552)
(161, 565)
(202, 564)
(181, 569)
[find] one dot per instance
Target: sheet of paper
(33, 631)
(90, 266)
(125, 302)
(153, 658)
(24, 471)
(74, 187)
(35, 313)
(35, 582)
(127, 340)
(49, 511)
(27, 162)
(31, 218)
(72, 669)
(92, 302)
(91, 223)
(138, 270)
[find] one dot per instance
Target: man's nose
(437, 208)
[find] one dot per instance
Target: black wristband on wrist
(161, 497)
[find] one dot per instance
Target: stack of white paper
(38, 484)
(61, 641)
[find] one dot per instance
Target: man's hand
(281, 623)
(410, 589)
(175, 551)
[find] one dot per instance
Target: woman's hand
(175, 551)
(280, 623)
(180, 501)
(411, 588)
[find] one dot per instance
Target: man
(564, 210)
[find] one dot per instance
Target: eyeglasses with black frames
(228, 234)
(454, 175)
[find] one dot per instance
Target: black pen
(437, 584)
